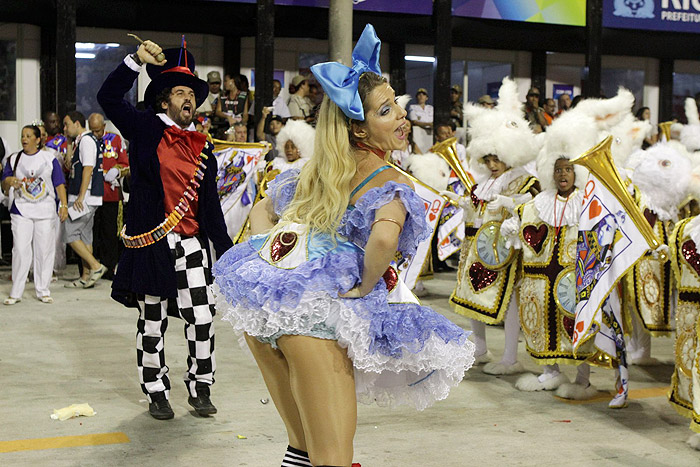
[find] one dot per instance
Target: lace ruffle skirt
(403, 353)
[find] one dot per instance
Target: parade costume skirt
(288, 283)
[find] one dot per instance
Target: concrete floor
(81, 349)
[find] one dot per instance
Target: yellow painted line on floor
(37, 444)
(644, 393)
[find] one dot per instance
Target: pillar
(442, 22)
(340, 31)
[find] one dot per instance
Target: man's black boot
(161, 410)
(202, 405)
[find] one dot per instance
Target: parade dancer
(172, 214)
(315, 290)
(685, 260)
(501, 144)
(546, 230)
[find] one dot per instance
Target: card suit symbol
(480, 276)
(432, 216)
(282, 244)
(579, 326)
(691, 255)
(594, 209)
(248, 159)
(391, 278)
(535, 236)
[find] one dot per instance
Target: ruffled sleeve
(358, 221)
(281, 190)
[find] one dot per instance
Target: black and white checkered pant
(195, 305)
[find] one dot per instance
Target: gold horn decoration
(665, 128)
(448, 151)
(599, 162)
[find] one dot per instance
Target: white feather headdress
(301, 134)
(501, 131)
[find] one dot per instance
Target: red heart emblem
(691, 255)
(431, 216)
(480, 276)
(282, 244)
(391, 278)
(579, 326)
(535, 236)
(568, 323)
(595, 209)
(248, 159)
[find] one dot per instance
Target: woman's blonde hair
(323, 187)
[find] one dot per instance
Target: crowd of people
(315, 284)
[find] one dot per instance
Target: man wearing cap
(209, 104)
(486, 101)
(173, 213)
(299, 105)
(421, 117)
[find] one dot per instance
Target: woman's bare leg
(275, 372)
(323, 385)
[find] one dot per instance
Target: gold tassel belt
(173, 219)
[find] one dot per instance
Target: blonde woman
(315, 291)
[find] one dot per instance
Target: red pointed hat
(178, 71)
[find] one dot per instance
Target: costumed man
(685, 260)
(546, 231)
(115, 166)
(501, 143)
(172, 214)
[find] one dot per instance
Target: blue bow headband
(340, 82)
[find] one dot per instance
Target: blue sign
(559, 90)
(660, 15)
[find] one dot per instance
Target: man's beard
(177, 117)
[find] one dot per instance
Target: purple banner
(660, 15)
(413, 7)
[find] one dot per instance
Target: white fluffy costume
(684, 243)
(661, 175)
(484, 280)
(302, 135)
(546, 228)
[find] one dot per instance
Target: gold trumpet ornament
(599, 162)
(160, 57)
(448, 151)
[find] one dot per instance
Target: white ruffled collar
(488, 190)
(280, 163)
(571, 207)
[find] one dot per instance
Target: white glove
(465, 202)
(501, 201)
(112, 175)
(510, 229)
(509, 203)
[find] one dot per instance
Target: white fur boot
(529, 382)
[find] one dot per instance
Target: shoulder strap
(366, 180)
(14, 168)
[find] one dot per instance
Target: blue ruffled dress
(288, 283)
